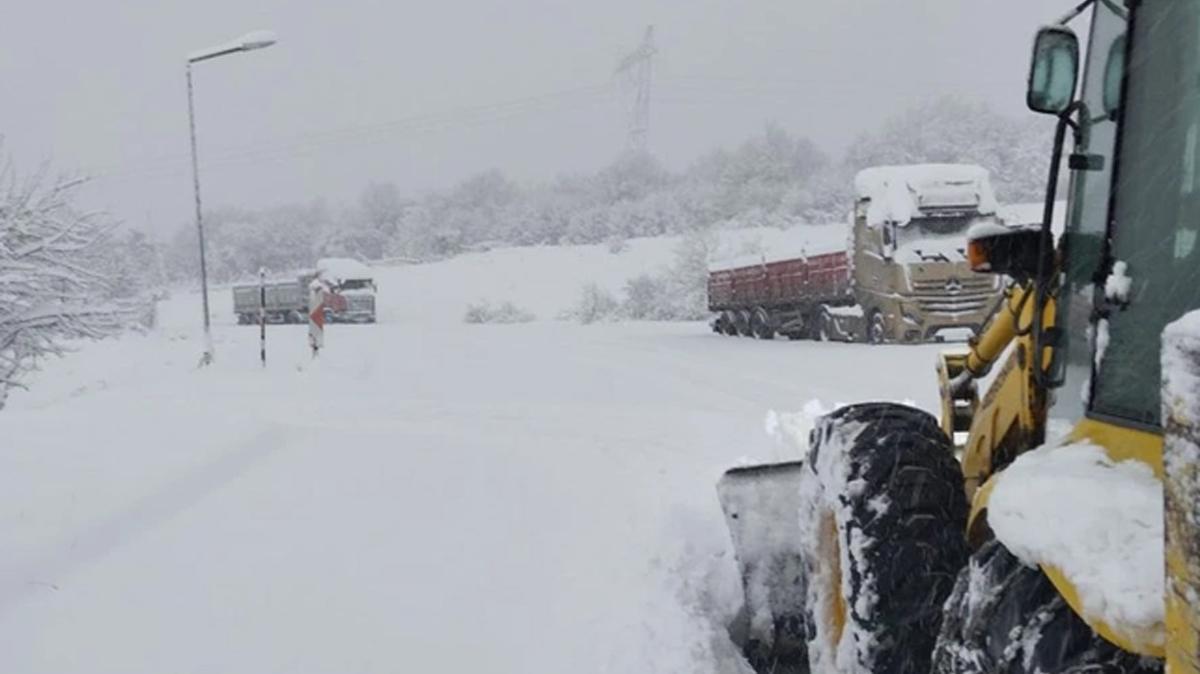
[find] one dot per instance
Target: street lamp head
(258, 39)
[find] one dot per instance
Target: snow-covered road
(422, 498)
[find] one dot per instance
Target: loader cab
(1086, 220)
(1130, 254)
(1151, 260)
(1132, 266)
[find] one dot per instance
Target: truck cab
(352, 290)
(911, 275)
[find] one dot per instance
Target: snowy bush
(505, 312)
(616, 245)
(51, 286)
(648, 298)
(594, 304)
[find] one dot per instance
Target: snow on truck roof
(343, 269)
(899, 193)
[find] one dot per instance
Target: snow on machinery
(1042, 548)
(899, 275)
(351, 297)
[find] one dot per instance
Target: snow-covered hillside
(426, 496)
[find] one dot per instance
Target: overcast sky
(426, 93)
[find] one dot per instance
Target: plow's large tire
(885, 518)
(1007, 618)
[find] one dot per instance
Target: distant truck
(351, 298)
(901, 274)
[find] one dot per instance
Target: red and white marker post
(316, 316)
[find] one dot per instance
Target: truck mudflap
(1181, 467)
(762, 505)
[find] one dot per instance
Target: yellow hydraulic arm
(1011, 416)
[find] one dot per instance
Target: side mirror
(889, 240)
(1053, 70)
(993, 248)
(1114, 74)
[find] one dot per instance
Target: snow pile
(1098, 521)
(793, 428)
(899, 193)
(1181, 371)
(339, 269)
(1181, 417)
(1118, 283)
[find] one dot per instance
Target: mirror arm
(1042, 281)
(1079, 9)
(1116, 9)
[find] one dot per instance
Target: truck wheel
(760, 324)
(876, 328)
(1004, 616)
(742, 321)
(728, 326)
(884, 515)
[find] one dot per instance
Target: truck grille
(360, 303)
(955, 296)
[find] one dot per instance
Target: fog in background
(424, 94)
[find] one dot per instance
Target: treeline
(772, 179)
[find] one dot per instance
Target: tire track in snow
(45, 570)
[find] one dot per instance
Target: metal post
(262, 315)
(207, 358)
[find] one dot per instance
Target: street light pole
(248, 42)
(207, 358)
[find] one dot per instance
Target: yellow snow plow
(1051, 524)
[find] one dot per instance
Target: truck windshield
(1157, 207)
(357, 284)
(934, 239)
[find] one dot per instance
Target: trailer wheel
(725, 321)
(742, 321)
(876, 328)
(1004, 616)
(885, 518)
(760, 324)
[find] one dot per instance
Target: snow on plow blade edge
(761, 505)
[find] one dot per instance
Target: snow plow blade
(761, 505)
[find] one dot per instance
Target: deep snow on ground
(425, 496)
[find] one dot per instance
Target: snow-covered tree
(50, 288)
(949, 129)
